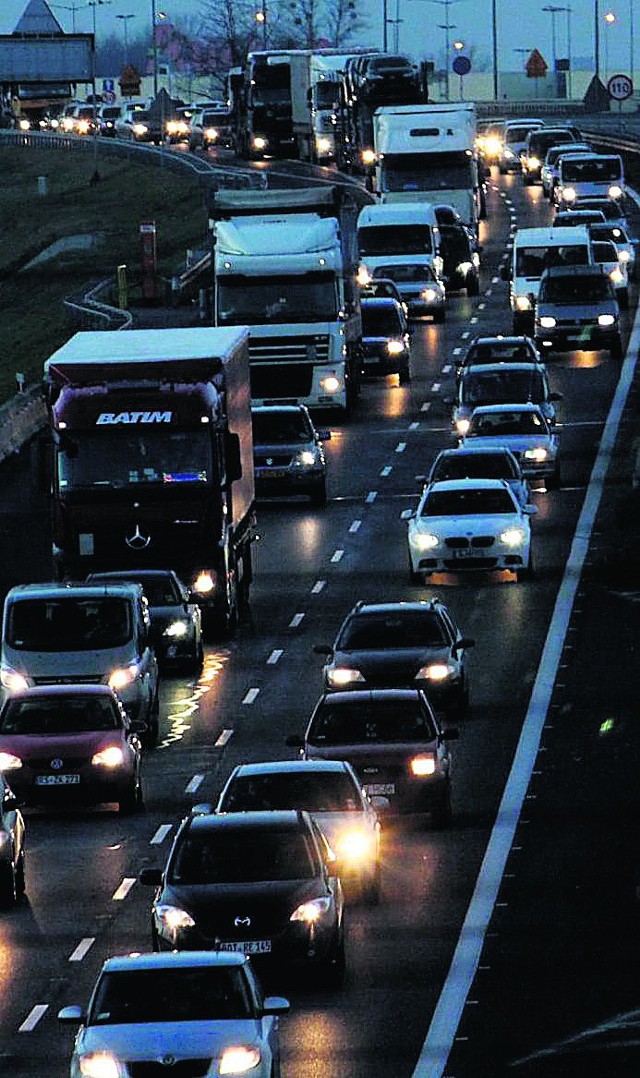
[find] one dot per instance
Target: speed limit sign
(620, 87)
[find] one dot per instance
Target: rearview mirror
(461, 645)
(71, 1016)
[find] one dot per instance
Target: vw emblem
(168, 1061)
(57, 763)
(138, 541)
(269, 460)
(242, 922)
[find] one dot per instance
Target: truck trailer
(153, 459)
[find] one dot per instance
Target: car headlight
(394, 348)
(312, 911)
(616, 275)
(9, 762)
(523, 303)
(424, 541)
(330, 384)
(606, 319)
(435, 672)
(172, 127)
(99, 1065)
(363, 276)
(368, 157)
(509, 154)
(205, 582)
(339, 676)
(140, 129)
(259, 142)
(615, 191)
(306, 459)
(493, 146)
(323, 145)
(533, 162)
(238, 1059)
(111, 756)
(462, 426)
(173, 918)
(569, 194)
(539, 453)
(12, 681)
(430, 295)
(547, 321)
(421, 766)
(354, 845)
(24, 125)
(211, 134)
(624, 256)
(122, 676)
(176, 628)
(512, 537)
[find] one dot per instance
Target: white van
(395, 234)
(65, 634)
(585, 175)
(534, 251)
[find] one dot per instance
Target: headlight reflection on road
(184, 708)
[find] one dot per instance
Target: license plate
(57, 780)
(466, 552)
(380, 789)
(271, 473)
(246, 946)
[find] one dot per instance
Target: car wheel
(461, 706)
(318, 494)
(414, 577)
(442, 814)
(404, 376)
(150, 737)
(21, 885)
(623, 299)
(8, 885)
(554, 481)
(335, 967)
(527, 572)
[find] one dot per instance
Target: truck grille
(309, 349)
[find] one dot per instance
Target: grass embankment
(34, 322)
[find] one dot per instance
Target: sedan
(470, 524)
(330, 791)
(391, 645)
(419, 288)
(12, 882)
(392, 739)
(499, 349)
(62, 743)
(525, 431)
(476, 462)
(189, 1014)
(259, 883)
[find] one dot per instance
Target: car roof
(130, 574)
(412, 605)
(558, 235)
(573, 271)
(277, 409)
(173, 960)
(51, 590)
(358, 695)
(489, 409)
(500, 339)
(380, 301)
(475, 450)
(479, 369)
(278, 767)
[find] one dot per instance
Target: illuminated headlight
(140, 129)
(204, 583)
(122, 676)
(24, 125)
(54, 124)
(606, 319)
(363, 276)
(508, 154)
(429, 295)
(259, 142)
(394, 348)
(173, 918)
(238, 1059)
(421, 766)
(493, 146)
(67, 123)
(476, 259)
(523, 303)
(312, 911)
(354, 846)
(512, 537)
(538, 454)
(9, 762)
(368, 157)
(323, 145)
(533, 162)
(99, 1065)
(306, 459)
(12, 681)
(616, 275)
(211, 134)
(177, 628)
(547, 321)
(330, 384)
(462, 426)
(615, 191)
(112, 756)
(436, 672)
(340, 676)
(624, 256)
(569, 194)
(82, 127)
(424, 541)
(172, 127)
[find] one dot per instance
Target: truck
(262, 107)
(285, 264)
(426, 153)
(315, 97)
(151, 460)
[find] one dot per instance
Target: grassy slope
(34, 322)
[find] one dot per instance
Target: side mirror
(462, 645)
(71, 1016)
(324, 435)
(379, 802)
(556, 396)
(407, 514)
(203, 808)
(150, 877)
(294, 741)
(322, 649)
(275, 1005)
(137, 726)
(530, 510)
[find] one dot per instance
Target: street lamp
(155, 17)
(72, 8)
(261, 19)
(552, 10)
(125, 19)
(610, 20)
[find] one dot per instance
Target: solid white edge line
(165, 828)
(33, 1017)
(446, 1017)
(81, 950)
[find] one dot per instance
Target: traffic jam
(277, 759)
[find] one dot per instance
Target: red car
(70, 743)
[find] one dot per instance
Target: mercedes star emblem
(138, 541)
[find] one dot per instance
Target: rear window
(499, 424)
(59, 715)
(514, 351)
(532, 261)
(370, 722)
(69, 624)
(320, 791)
(407, 273)
(474, 466)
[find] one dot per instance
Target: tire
(442, 814)
(616, 350)
(152, 733)
(527, 181)
(554, 481)
(8, 885)
(414, 577)
(404, 376)
(439, 316)
(21, 885)
(195, 664)
(473, 286)
(318, 494)
(460, 709)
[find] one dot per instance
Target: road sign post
(461, 66)
(619, 87)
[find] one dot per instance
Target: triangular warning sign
(38, 18)
(536, 66)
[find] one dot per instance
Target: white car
(617, 233)
(524, 429)
(470, 524)
(152, 1012)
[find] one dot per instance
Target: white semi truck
(315, 100)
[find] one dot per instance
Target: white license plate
(465, 552)
(57, 780)
(246, 946)
(380, 789)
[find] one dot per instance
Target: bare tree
(228, 31)
(344, 22)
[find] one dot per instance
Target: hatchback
(523, 429)
(420, 290)
(577, 309)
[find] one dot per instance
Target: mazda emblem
(138, 541)
(57, 763)
(242, 922)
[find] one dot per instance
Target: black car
(12, 882)
(393, 645)
(176, 619)
(288, 457)
(259, 883)
(385, 339)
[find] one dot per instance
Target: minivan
(92, 634)
(396, 233)
(534, 250)
(589, 174)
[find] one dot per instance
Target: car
(605, 254)
(192, 1013)
(525, 431)
(474, 462)
(12, 855)
(398, 644)
(615, 210)
(589, 174)
(573, 218)
(211, 125)
(330, 791)
(420, 290)
(177, 126)
(381, 287)
(84, 119)
(260, 883)
(538, 143)
(108, 116)
(385, 339)
(489, 138)
(514, 141)
(132, 110)
(393, 741)
(288, 457)
(470, 525)
(71, 743)
(460, 258)
(618, 234)
(176, 618)
(577, 309)
(550, 166)
(499, 349)
(502, 383)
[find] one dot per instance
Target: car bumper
(378, 361)
(407, 796)
(285, 481)
(95, 785)
(297, 945)
(483, 559)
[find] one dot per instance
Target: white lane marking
(488, 292)
(371, 497)
(446, 369)
(296, 621)
(33, 1017)
(457, 351)
(465, 335)
(223, 739)
(425, 406)
(354, 527)
(446, 1017)
(435, 388)
(481, 306)
(401, 446)
(164, 829)
(472, 321)
(384, 472)
(495, 280)
(318, 587)
(122, 891)
(621, 1023)
(275, 656)
(416, 425)
(81, 950)
(337, 556)
(194, 784)
(250, 696)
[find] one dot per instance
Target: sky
(470, 20)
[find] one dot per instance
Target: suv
(393, 645)
(385, 339)
(288, 457)
(577, 309)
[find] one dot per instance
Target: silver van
(67, 634)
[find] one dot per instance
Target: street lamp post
(261, 18)
(125, 19)
(552, 10)
(610, 20)
(446, 26)
(154, 48)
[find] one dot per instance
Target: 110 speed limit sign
(620, 87)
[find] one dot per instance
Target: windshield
(395, 240)
(502, 387)
(68, 624)
(131, 458)
(59, 715)
(591, 169)
(256, 301)
(427, 172)
(270, 84)
(504, 423)
(576, 290)
(159, 590)
(110, 113)
(387, 721)
(411, 629)
(408, 273)
(280, 428)
(603, 251)
(381, 321)
(467, 503)
(325, 94)
(473, 466)
(540, 142)
(182, 994)
(322, 791)
(532, 261)
(242, 855)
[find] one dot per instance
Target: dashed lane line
(223, 739)
(251, 696)
(354, 527)
(122, 891)
(319, 586)
(296, 621)
(275, 656)
(164, 829)
(194, 784)
(33, 1017)
(384, 472)
(371, 497)
(82, 949)
(337, 556)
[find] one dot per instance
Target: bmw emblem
(57, 764)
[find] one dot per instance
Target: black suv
(577, 309)
(288, 457)
(393, 645)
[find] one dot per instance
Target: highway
(557, 969)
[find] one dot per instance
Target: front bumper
(95, 786)
(491, 556)
(580, 338)
(376, 360)
(298, 944)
